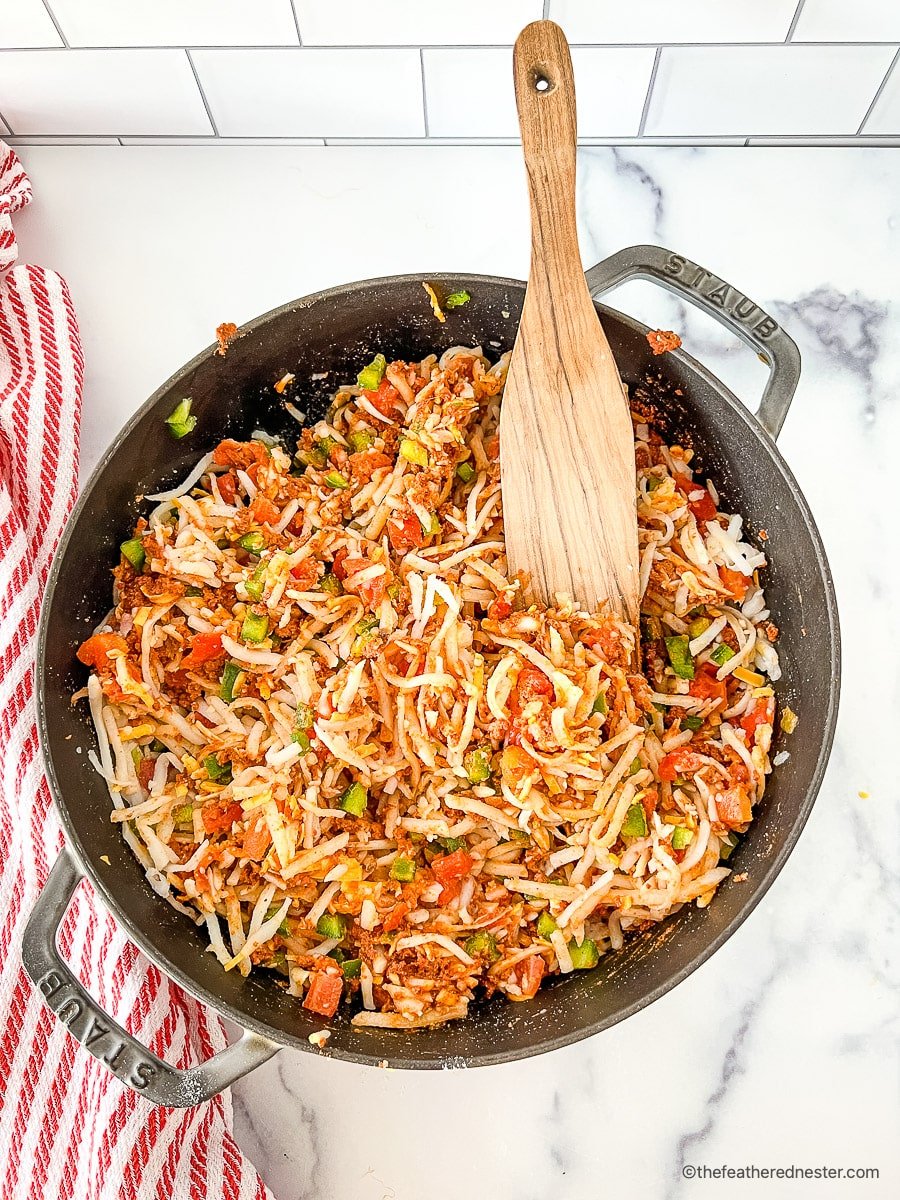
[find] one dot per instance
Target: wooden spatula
(566, 441)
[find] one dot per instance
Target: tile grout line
(296, 22)
(888, 73)
(52, 15)
(6, 125)
(209, 115)
(793, 25)
(650, 84)
(724, 141)
(844, 45)
(424, 90)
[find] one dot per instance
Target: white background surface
(717, 69)
(783, 1048)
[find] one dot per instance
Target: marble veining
(783, 1048)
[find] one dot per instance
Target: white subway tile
(469, 93)
(759, 90)
(848, 21)
(885, 116)
(654, 21)
(176, 22)
(109, 92)
(313, 93)
(414, 22)
(25, 23)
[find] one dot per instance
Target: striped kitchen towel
(68, 1128)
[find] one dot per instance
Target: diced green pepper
(229, 679)
(365, 629)
(354, 800)
(483, 944)
(158, 747)
(370, 376)
(457, 299)
(253, 542)
(302, 738)
(584, 956)
(433, 528)
(452, 844)
(218, 772)
(519, 835)
(651, 628)
(360, 439)
(136, 757)
(181, 421)
(403, 870)
(546, 925)
(692, 722)
(336, 480)
(331, 584)
(351, 968)
(681, 837)
(304, 717)
(331, 925)
(184, 815)
(721, 654)
(728, 843)
(679, 654)
(635, 767)
(477, 764)
(325, 445)
(394, 588)
(133, 551)
(414, 452)
(255, 627)
(699, 625)
(600, 705)
(635, 823)
(192, 591)
(466, 472)
(256, 584)
(653, 482)
(278, 962)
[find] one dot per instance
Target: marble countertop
(783, 1049)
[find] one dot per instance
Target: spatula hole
(541, 83)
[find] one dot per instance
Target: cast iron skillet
(336, 331)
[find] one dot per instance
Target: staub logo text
(86, 1023)
(721, 294)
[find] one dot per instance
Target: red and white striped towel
(68, 1128)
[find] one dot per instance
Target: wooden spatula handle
(545, 99)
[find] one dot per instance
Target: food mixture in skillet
(331, 733)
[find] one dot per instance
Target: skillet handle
(129, 1061)
(726, 304)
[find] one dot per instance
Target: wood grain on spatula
(566, 440)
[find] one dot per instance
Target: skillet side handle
(137, 1067)
(726, 304)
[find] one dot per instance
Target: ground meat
(662, 340)
(225, 335)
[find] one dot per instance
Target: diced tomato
(734, 807)
(705, 685)
(324, 993)
(736, 582)
(492, 448)
(395, 917)
(204, 648)
(499, 609)
(227, 485)
(385, 399)
(204, 720)
(516, 763)
(94, 652)
(452, 866)
(762, 713)
(230, 453)
(450, 891)
(701, 506)
(256, 843)
(405, 533)
(528, 975)
(364, 464)
(264, 510)
(370, 591)
(306, 573)
(532, 684)
(145, 771)
(679, 763)
(221, 815)
(338, 563)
